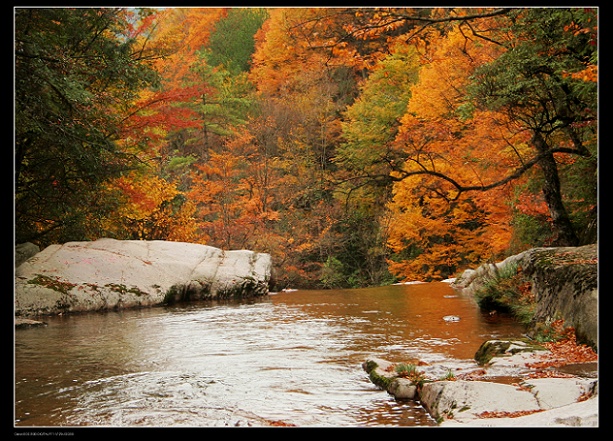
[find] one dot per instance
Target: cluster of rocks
(564, 285)
(479, 398)
(112, 274)
(109, 274)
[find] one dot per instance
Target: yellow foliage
(446, 73)
(147, 208)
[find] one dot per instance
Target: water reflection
(398, 320)
(293, 357)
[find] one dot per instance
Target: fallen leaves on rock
(519, 413)
(564, 351)
(549, 374)
(278, 423)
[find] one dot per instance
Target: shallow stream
(291, 357)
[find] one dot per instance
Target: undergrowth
(508, 291)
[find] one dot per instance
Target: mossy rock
(379, 372)
(385, 375)
(502, 348)
(54, 283)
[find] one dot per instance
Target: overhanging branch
(519, 171)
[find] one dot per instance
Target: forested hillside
(357, 146)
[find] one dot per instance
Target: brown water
(292, 357)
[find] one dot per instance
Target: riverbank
(519, 384)
(541, 286)
(547, 379)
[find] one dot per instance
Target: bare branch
(396, 17)
(519, 171)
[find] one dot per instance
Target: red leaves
(167, 110)
(488, 414)
(278, 423)
(532, 205)
(564, 351)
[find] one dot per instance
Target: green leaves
(371, 122)
(535, 75)
(75, 74)
(232, 43)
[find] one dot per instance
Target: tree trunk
(564, 233)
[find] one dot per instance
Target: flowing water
(290, 357)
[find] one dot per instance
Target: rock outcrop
(113, 274)
(465, 401)
(564, 283)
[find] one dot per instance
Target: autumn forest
(357, 146)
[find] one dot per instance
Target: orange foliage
(440, 134)
(148, 209)
(269, 182)
(181, 33)
(232, 193)
(284, 59)
(177, 38)
(532, 205)
(446, 72)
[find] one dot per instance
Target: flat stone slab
(469, 399)
(113, 274)
(581, 414)
(557, 392)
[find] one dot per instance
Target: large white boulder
(113, 274)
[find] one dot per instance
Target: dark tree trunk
(564, 233)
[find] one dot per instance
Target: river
(291, 357)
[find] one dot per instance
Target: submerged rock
(451, 318)
(114, 274)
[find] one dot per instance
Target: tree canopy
(358, 146)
